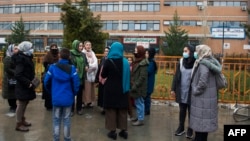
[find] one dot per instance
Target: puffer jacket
(204, 96)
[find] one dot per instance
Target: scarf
(116, 52)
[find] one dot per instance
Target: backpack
(221, 81)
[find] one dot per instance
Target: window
(5, 25)
(157, 26)
(131, 25)
(54, 8)
(125, 7)
(6, 9)
(125, 26)
(57, 41)
(143, 26)
(55, 25)
(131, 7)
(38, 44)
(137, 26)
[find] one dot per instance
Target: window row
(208, 23)
(209, 3)
(131, 25)
(227, 3)
(30, 8)
(125, 6)
(124, 25)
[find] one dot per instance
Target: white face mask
(185, 55)
(195, 55)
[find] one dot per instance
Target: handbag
(221, 81)
(35, 82)
(11, 83)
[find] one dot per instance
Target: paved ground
(159, 126)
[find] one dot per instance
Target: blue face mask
(185, 55)
(195, 55)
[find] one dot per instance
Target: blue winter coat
(151, 75)
(62, 85)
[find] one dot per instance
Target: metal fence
(236, 71)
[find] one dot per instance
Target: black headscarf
(188, 63)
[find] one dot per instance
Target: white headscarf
(202, 51)
(26, 48)
(9, 51)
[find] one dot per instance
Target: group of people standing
(18, 88)
(195, 89)
(122, 85)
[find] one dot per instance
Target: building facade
(214, 22)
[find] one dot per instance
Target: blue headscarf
(116, 52)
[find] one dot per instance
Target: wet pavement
(159, 125)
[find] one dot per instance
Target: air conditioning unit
(166, 23)
(200, 7)
(243, 8)
(199, 23)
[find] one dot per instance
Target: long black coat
(9, 72)
(24, 74)
(113, 91)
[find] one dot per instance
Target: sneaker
(180, 131)
(138, 123)
(80, 112)
(133, 119)
(189, 134)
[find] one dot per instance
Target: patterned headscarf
(26, 48)
(202, 51)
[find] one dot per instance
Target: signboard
(232, 33)
(144, 44)
(246, 47)
(135, 40)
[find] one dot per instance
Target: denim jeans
(61, 114)
(139, 103)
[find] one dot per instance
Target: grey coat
(204, 109)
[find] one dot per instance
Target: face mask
(136, 55)
(195, 55)
(185, 55)
(54, 51)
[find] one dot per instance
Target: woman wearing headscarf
(181, 88)
(78, 59)
(25, 91)
(152, 70)
(50, 58)
(8, 91)
(139, 80)
(204, 93)
(116, 88)
(99, 79)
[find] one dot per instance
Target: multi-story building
(214, 22)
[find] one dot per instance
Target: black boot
(123, 134)
(112, 135)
